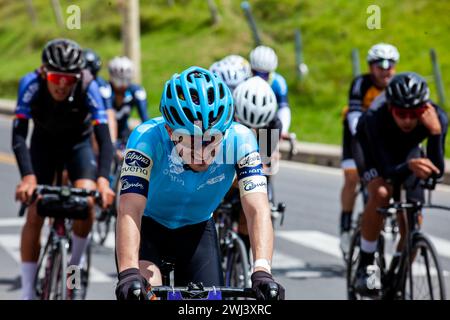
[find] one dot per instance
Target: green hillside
(179, 36)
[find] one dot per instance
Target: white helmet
(255, 102)
(263, 59)
(241, 62)
(231, 72)
(121, 71)
(383, 51)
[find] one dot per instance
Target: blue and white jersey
(105, 91)
(176, 195)
(280, 88)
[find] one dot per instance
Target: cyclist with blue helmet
(176, 170)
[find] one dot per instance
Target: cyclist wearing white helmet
(232, 69)
(124, 95)
(177, 169)
(382, 59)
(256, 107)
(264, 62)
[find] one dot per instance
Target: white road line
(281, 261)
(442, 246)
(316, 240)
(11, 243)
(328, 244)
(310, 167)
(12, 222)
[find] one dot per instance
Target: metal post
(356, 70)
(58, 13)
(299, 54)
(31, 11)
(248, 14)
(131, 35)
(437, 77)
(215, 17)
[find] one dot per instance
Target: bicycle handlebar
(192, 292)
(63, 191)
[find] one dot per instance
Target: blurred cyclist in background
(232, 69)
(382, 59)
(264, 62)
(124, 96)
(93, 63)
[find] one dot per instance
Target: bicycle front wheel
(423, 277)
(238, 267)
(58, 275)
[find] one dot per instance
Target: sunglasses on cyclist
(61, 78)
(384, 64)
(405, 113)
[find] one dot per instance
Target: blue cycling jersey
(176, 195)
(279, 87)
(134, 96)
(105, 91)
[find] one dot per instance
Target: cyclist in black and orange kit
(382, 59)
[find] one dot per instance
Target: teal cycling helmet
(196, 100)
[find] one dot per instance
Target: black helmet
(407, 90)
(63, 55)
(92, 61)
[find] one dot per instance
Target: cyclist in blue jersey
(176, 170)
(93, 63)
(125, 95)
(264, 62)
(66, 107)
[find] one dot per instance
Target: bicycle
(106, 218)
(62, 204)
(390, 226)
(235, 256)
(405, 269)
(196, 291)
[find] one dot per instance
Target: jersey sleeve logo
(135, 172)
(251, 160)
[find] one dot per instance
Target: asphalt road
(307, 259)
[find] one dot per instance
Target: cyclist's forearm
(105, 149)
(257, 211)
(128, 231)
(19, 145)
(112, 124)
(284, 114)
(435, 151)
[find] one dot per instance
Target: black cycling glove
(131, 286)
(265, 286)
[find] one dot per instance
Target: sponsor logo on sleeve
(135, 172)
(251, 160)
(253, 184)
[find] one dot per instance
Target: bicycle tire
(238, 267)
(85, 268)
(423, 244)
(352, 263)
(58, 276)
(42, 278)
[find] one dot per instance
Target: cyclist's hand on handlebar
(423, 168)
(265, 286)
(106, 192)
(285, 136)
(25, 189)
(131, 286)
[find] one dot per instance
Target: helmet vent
(175, 114)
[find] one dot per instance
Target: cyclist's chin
(199, 167)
